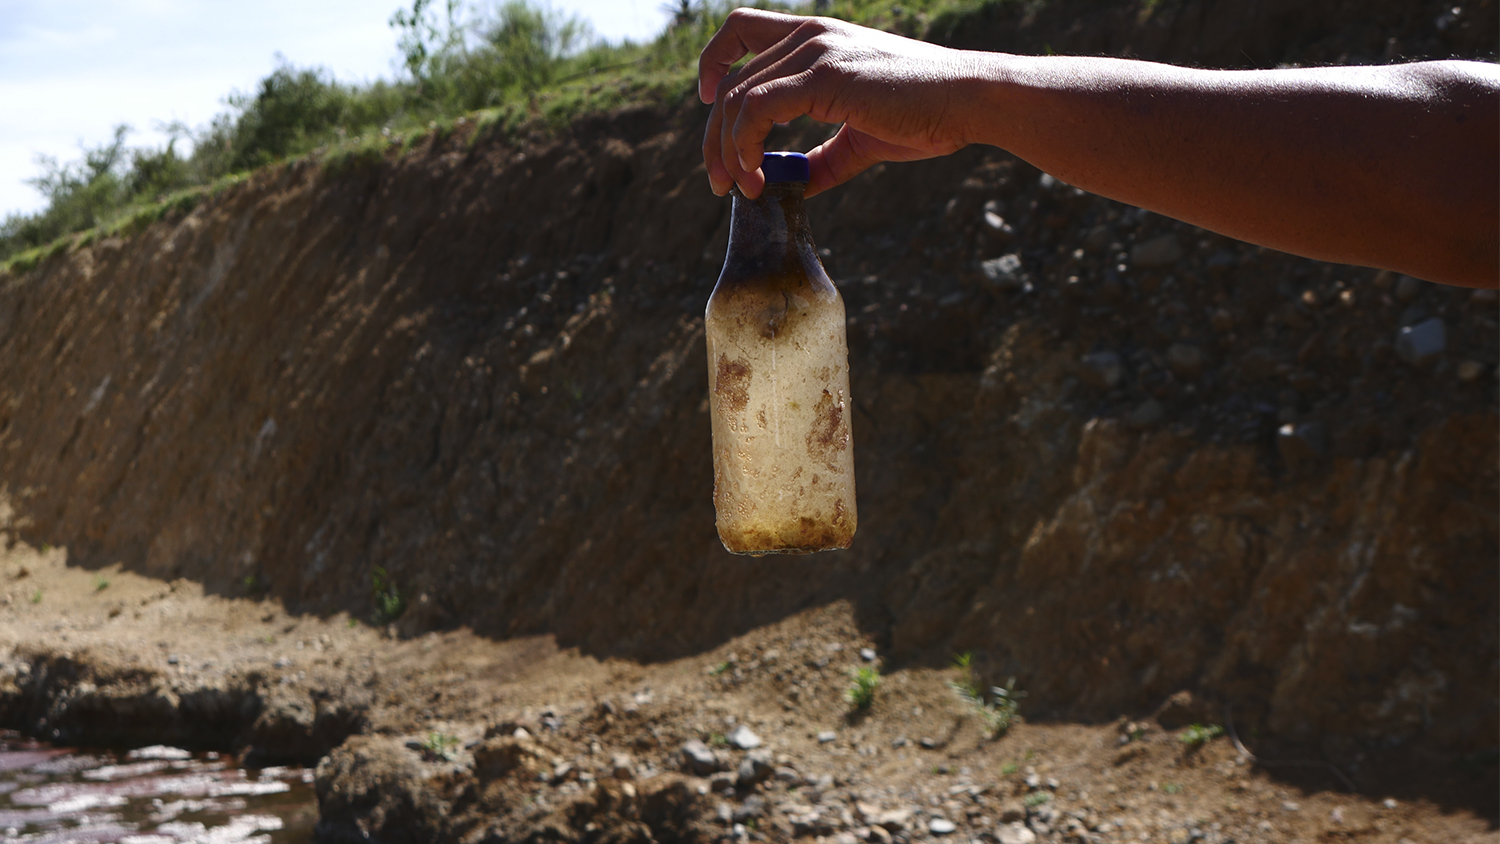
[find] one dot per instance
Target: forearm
(1380, 166)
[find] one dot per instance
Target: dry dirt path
(449, 736)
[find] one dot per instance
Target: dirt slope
(479, 368)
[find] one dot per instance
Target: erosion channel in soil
(1157, 476)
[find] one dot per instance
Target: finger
(839, 159)
(745, 31)
(720, 180)
(778, 100)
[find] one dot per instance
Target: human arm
(1394, 166)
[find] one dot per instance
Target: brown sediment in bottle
(783, 463)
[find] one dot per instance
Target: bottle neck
(770, 234)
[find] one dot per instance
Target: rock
(1408, 288)
(1302, 444)
(1422, 343)
(1178, 711)
(499, 756)
(941, 826)
(1033, 781)
(1221, 262)
(1053, 783)
(1179, 836)
(928, 743)
(1147, 415)
(1103, 370)
(1004, 272)
(1484, 298)
(1470, 370)
(753, 807)
(878, 835)
(894, 820)
(1158, 252)
(744, 738)
(1012, 813)
(826, 736)
(697, 759)
(1015, 833)
(867, 654)
(1098, 239)
(622, 767)
(1186, 360)
(899, 742)
(1222, 320)
(788, 776)
(755, 768)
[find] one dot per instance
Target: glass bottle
(778, 372)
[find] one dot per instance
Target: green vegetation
(389, 605)
(439, 746)
(718, 740)
(861, 692)
(1172, 788)
(1198, 735)
(514, 65)
(720, 669)
(1009, 768)
(36, 597)
(1037, 799)
(998, 711)
(101, 583)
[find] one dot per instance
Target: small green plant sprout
(101, 583)
(438, 747)
(389, 605)
(718, 740)
(720, 668)
(36, 597)
(1198, 735)
(998, 711)
(352, 623)
(1037, 799)
(1172, 788)
(861, 692)
(1009, 768)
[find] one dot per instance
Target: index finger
(745, 31)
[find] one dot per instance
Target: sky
(72, 70)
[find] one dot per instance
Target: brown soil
(474, 375)
(130, 658)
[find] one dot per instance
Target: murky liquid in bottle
(778, 370)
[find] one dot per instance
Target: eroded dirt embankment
(479, 368)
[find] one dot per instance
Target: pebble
(941, 826)
(1470, 370)
(1015, 833)
(282, 663)
(867, 654)
(928, 743)
(1302, 444)
(755, 767)
(1103, 369)
(1407, 288)
(1291, 806)
(753, 807)
(697, 758)
(1033, 782)
(894, 820)
(1389, 803)
(827, 736)
(744, 738)
(788, 776)
(622, 767)
(899, 742)
(1162, 251)
(1222, 320)
(1146, 415)
(1004, 272)
(1098, 239)
(1186, 360)
(1484, 297)
(1422, 343)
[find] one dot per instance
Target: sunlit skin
(1395, 166)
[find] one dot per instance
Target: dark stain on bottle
(732, 384)
(830, 434)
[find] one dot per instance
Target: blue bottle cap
(785, 167)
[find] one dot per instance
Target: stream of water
(153, 795)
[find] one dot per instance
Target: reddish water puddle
(153, 795)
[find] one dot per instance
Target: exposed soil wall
(480, 368)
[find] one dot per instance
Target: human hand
(898, 99)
